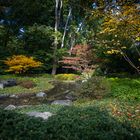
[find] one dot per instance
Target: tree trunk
(57, 14)
(66, 25)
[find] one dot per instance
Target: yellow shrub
(21, 63)
(67, 76)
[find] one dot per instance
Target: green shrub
(14, 126)
(125, 88)
(67, 76)
(70, 123)
(95, 87)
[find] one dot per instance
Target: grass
(41, 83)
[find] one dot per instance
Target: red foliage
(81, 58)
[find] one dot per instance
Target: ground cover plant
(125, 88)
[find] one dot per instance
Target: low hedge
(70, 123)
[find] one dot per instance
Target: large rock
(10, 107)
(44, 115)
(8, 83)
(1, 86)
(62, 102)
(4, 96)
(41, 94)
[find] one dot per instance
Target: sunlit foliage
(21, 63)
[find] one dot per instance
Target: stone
(4, 96)
(4, 83)
(41, 94)
(10, 107)
(1, 86)
(67, 91)
(43, 115)
(11, 83)
(8, 83)
(70, 96)
(62, 102)
(13, 96)
(85, 80)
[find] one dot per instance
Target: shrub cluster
(67, 77)
(95, 87)
(125, 88)
(27, 84)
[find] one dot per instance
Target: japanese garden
(69, 69)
